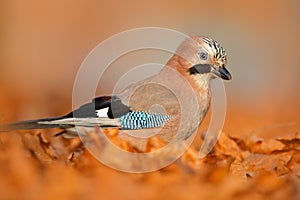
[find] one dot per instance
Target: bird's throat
(202, 81)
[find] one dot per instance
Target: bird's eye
(203, 55)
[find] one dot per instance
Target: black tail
(30, 124)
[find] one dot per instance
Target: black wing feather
(115, 105)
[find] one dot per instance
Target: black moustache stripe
(200, 69)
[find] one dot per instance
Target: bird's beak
(222, 73)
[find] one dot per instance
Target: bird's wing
(110, 111)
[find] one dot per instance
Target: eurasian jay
(171, 104)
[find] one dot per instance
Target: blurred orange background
(43, 44)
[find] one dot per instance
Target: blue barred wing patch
(140, 120)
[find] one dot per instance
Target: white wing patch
(102, 112)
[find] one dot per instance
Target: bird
(171, 103)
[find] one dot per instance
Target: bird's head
(203, 57)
